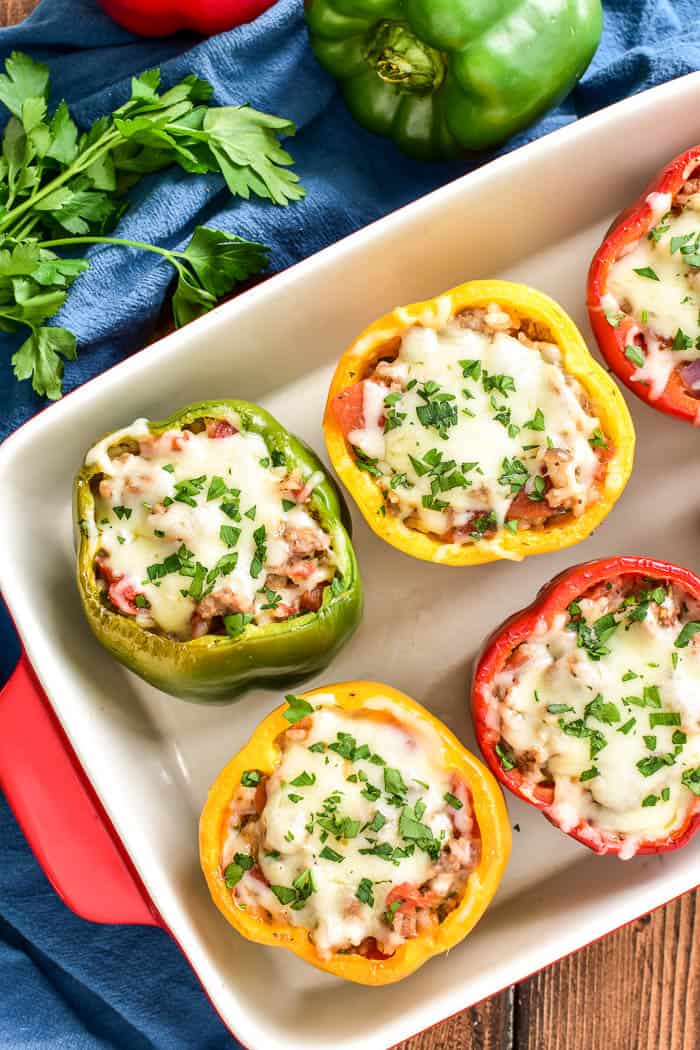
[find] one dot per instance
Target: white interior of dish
(536, 216)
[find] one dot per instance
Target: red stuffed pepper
(586, 704)
(644, 291)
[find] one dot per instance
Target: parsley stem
(65, 242)
(88, 157)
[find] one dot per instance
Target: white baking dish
(535, 215)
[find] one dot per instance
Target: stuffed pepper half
(212, 552)
(586, 704)
(477, 426)
(356, 831)
(644, 291)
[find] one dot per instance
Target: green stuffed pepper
(213, 552)
(443, 76)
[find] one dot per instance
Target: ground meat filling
(363, 854)
(600, 711)
(476, 428)
(202, 530)
(653, 295)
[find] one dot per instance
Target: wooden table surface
(637, 989)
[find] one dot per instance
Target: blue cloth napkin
(65, 982)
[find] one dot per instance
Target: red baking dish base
(62, 818)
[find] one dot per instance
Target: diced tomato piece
(256, 872)
(310, 601)
(604, 456)
(261, 796)
(104, 569)
(122, 594)
(526, 509)
(411, 897)
(220, 428)
(348, 408)
(369, 949)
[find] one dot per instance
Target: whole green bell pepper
(218, 667)
(442, 76)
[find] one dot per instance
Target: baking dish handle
(63, 820)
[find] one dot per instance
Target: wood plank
(637, 989)
(12, 11)
(488, 1026)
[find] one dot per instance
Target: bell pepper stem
(400, 58)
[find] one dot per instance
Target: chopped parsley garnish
(366, 463)
(502, 383)
(304, 780)
(391, 911)
(598, 439)
(653, 763)
(297, 894)
(251, 778)
(232, 510)
(691, 780)
(515, 474)
(589, 774)
(591, 637)
(604, 710)
(627, 726)
(185, 491)
(330, 854)
(482, 524)
(539, 487)
(217, 488)
(378, 821)
(233, 872)
(646, 271)
(471, 368)
(664, 718)
(452, 800)
(393, 782)
(634, 355)
(438, 410)
(142, 602)
(506, 761)
(681, 341)
(537, 421)
(122, 512)
(297, 709)
(288, 504)
(225, 565)
(689, 631)
(229, 535)
(272, 599)
(258, 560)
(364, 892)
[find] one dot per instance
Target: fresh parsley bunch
(60, 188)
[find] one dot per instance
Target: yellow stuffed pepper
(477, 426)
(355, 830)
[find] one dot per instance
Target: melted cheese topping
(340, 824)
(498, 405)
(633, 720)
(192, 516)
(657, 283)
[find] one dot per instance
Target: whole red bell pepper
(161, 17)
(554, 598)
(613, 335)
